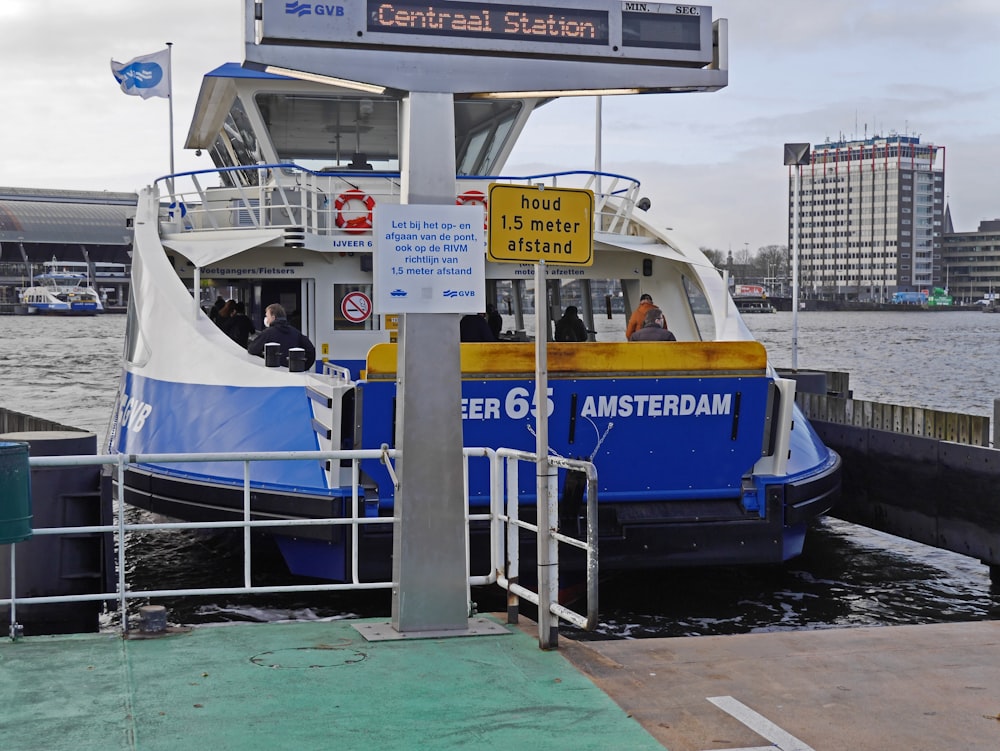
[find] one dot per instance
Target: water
(62, 369)
(66, 370)
(948, 361)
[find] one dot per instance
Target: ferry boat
(702, 456)
(754, 305)
(61, 293)
(752, 298)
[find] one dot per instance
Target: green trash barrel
(15, 492)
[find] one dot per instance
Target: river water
(66, 370)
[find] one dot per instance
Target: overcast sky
(711, 164)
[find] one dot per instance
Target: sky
(711, 164)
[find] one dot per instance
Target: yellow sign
(528, 224)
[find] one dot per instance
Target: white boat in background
(754, 305)
(62, 293)
(702, 455)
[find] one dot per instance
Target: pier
(320, 685)
(926, 475)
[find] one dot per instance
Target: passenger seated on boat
(494, 319)
(238, 326)
(216, 307)
(654, 328)
(279, 330)
(570, 328)
(635, 321)
(224, 314)
(474, 328)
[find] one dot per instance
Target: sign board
(429, 259)
(356, 307)
(528, 224)
(607, 29)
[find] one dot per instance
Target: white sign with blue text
(429, 258)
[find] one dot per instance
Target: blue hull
(674, 458)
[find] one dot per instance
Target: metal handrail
(504, 528)
(289, 196)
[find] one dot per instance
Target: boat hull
(674, 446)
(631, 536)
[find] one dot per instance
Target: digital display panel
(617, 32)
(525, 23)
(661, 30)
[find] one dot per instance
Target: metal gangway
(503, 517)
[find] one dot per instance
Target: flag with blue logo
(145, 76)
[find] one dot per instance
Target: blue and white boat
(702, 456)
(61, 293)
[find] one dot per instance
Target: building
(973, 262)
(870, 218)
(86, 231)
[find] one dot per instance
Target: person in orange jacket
(639, 315)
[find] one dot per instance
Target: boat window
(333, 132)
(482, 129)
(700, 310)
(136, 350)
(236, 146)
(598, 302)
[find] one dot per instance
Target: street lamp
(796, 154)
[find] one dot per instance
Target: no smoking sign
(356, 307)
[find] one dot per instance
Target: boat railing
(502, 516)
(340, 204)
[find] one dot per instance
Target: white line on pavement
(759, 724)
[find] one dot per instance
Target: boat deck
(307, 685)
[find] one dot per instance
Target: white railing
(286, 196)
(503, 517)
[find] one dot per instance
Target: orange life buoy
(355, 224)
(473, 198)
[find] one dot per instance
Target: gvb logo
(134, 414)
(306, 9)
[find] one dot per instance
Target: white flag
(145, 76)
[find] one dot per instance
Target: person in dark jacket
(278, 329)
(239, 326)
(494, 319)
(474, 328)
(220, 301)
(570, 328)
(654, 328)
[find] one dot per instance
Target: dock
(321, 684)
(898, 688)
(301, 685)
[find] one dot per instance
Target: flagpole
(170, 100)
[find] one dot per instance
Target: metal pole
(13, 595)
(548, 625)
(170, 105)
(196, 291)
(430, 586)
(598, 156)
(795, 269)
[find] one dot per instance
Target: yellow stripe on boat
(603, 359)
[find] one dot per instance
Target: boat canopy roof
(244, 117)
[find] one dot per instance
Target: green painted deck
(301, 685)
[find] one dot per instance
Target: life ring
(355, 224)
(473, 198)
